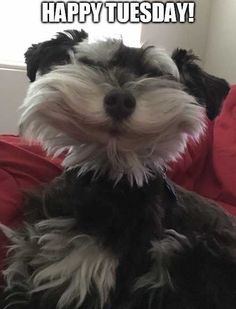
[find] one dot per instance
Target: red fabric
(208, 167)
(22, 166)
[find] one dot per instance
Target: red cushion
(209, 168)
(22, 166)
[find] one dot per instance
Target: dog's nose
(119, 104)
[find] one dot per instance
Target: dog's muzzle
(119, 104)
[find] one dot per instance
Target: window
(20, 24)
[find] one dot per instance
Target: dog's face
(116, 109)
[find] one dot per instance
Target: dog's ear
(209, 90)
(40, 57)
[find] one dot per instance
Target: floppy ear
(209, 90)
(41, 56)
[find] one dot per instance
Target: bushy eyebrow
(127, 58)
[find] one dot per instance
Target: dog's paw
(171, 245)
(178, 238)
(163, 253)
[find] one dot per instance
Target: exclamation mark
(191, 12)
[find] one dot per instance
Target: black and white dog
(113, 232)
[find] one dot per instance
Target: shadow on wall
(13, 87)
(211, 37)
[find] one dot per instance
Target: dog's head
(115, 109)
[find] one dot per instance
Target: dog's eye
(154, 73)
(94, 65)
(87, 61)
(63, 62)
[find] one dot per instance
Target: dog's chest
(114, 214)
(92, 236)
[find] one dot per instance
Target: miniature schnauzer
(113, 232)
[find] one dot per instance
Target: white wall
(188, 35)
(21, 20)
(212, 37)
(220, 57)
(13, 86)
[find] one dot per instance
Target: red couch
(208, 167)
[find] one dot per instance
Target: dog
(113, 232)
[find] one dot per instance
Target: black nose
(119, 104)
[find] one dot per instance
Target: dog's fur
(112, 232)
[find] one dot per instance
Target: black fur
(40, 57)
(127, 220)
(196, 239)
(208, 89)
(130, 59)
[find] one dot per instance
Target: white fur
(100, 51)
(64, 111)
(157, 57)
(60, 257)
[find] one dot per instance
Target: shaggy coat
(88, 244)
(112, 232)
